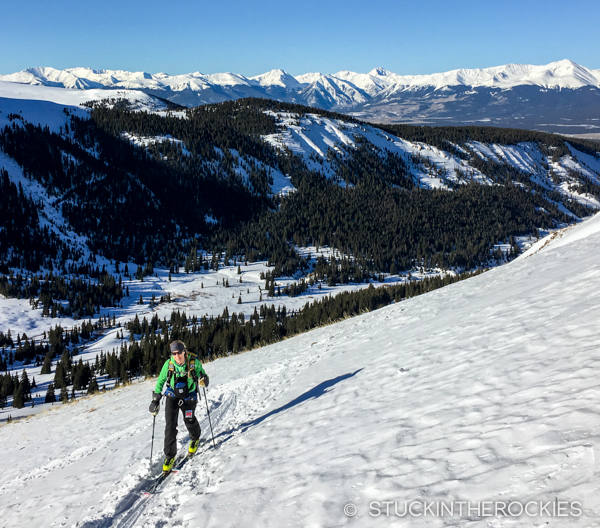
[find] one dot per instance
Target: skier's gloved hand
(203, 381)
(155, 405)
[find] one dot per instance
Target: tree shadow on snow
(312, 394)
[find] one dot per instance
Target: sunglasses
(178, 353)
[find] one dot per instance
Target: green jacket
(180, 370)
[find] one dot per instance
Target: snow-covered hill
(482, 395)
(463, 96)
(64, 96)
(312, 136)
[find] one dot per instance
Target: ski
(161, 481)
(158, 482)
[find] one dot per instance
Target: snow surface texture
(486, 390)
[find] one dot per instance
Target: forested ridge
(147, 201)
(434, 228)
(445, 136)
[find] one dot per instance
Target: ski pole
(152, 445)
(208, 413)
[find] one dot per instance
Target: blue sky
(252, 37)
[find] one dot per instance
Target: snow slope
(486, 390)
(312, 135)
(32, 95)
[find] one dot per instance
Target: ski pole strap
(170, 373)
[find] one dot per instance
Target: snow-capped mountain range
(545, 97)
(561, 74)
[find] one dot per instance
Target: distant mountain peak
(560, 74)
(277, 77)
(379, 72)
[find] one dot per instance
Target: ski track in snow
(232, 405)
(236, 403)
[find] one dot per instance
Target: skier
(183, 373)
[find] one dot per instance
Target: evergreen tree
(60, 377)
(7, 385)
(93, 386)
(18, 398)
(50, 396)
(25, 386)
(64, 395)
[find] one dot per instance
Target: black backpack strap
(192, 358)
(170, 373)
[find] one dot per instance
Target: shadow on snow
(312, 394)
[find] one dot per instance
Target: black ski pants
(188, 409)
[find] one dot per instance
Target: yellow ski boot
(168, 464)
(193, 447)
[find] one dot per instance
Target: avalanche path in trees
(485, 390)
(319, 139)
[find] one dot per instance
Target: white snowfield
(27, 94)
(474, 405)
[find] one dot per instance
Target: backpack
(181, 388)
